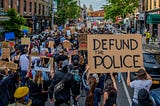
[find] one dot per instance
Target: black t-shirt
(111, 99)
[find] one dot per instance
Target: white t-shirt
(24, 62)
(139, 84)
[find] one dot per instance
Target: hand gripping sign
(108, 53)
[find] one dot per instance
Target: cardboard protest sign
(82, 38)
(5, 44)
(9, 65)
(11, 43)
(5, 53)
(66, 44)
(41, 63)
(51, 44)
(25, 41)
(110, 53)
(73, 52)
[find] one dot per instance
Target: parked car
(151, 60)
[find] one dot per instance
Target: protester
(21, 95)
(7, 87)
(61, 85)
(144, 81)
(24, 65)
(110, 92)
(36, 89)
(92, 91)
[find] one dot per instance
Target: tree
(14, 23)
(66, 9)
(120, 8)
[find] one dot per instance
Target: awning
(153, 19)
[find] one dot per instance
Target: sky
(96, 4)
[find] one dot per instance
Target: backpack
(61, 85)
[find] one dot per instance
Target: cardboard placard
(41, 63)
(82, 38)
(9, 65)
(25, 41)
(5, 53)
(73, 52)
(11, 43)
(67, 44)
(51, 44)
(34, 54)
(110, 53)
(5, 44)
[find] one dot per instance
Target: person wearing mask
(24, 65)
(61, 85)
(92, 91)
(110, 92)
(144, 81)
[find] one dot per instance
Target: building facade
(36, 12)
(150, 16)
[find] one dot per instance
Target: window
(25, 5)
(18, 6)
(35, 7)
(39, 8)
(146, 4)
(10, 3)
(30, 6)
(151, 4)
(43, 10)
(1, 3)
(155, 4)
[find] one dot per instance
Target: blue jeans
(23, 77)
(119, 76)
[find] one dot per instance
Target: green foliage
(120, 8)
(66, 9)
(14, 22)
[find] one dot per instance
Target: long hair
(38, 78)
(109, 88)
(90, 97)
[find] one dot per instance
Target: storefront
(154, 21)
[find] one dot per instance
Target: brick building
(150, 10)
(36, 12)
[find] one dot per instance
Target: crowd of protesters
(66, 79)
